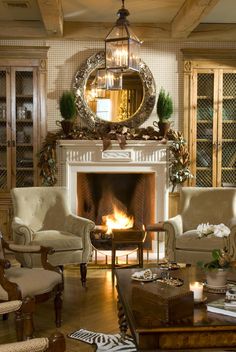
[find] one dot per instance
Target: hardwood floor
(93, 308)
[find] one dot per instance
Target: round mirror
(129, 106)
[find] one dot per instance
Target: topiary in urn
(68, 111)
(164, 111)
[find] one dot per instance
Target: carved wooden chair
(31, 285)
(55, 343)
(42, 217)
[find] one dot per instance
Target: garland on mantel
(179, 160)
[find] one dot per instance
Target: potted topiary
(164, 111)
(68, 111)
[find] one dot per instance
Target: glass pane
(205, 84)
(228, 176)
(3, 131)
(24, 129)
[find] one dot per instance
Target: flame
(118, 220)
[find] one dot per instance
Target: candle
(197, 288)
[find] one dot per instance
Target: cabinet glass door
(24, 128)
(3, 130)
(228, 153)
(204, 141)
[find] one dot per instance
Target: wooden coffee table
(205, 330)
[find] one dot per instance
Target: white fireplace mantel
(87, 156)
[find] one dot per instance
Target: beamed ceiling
(152, 20)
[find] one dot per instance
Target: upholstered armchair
(201, 205)
(42, 217)
(55, 343)
(29, 285)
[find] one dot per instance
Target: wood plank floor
(93, 308)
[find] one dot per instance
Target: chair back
(41, 208)
(201, 205)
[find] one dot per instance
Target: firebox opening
(133, 194)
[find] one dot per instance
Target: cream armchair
(42, 217)
(201, 205)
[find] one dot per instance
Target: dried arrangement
(107, 132)
(179, 159)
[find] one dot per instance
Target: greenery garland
(179, 160)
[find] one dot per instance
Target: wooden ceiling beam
(22, 29)
(222, 32)
(52, 16)
(98, 31)
(189, 17)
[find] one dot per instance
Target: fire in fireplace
(118, 200)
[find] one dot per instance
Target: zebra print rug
(105, 342)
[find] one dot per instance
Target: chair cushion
(189, 240)
(32, 282)
(57, 240)
(34, 345)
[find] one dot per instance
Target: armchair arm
(11, 306)
(56, 342)
(81, 227)
(43, 251)
(174, 228)
(22, 233)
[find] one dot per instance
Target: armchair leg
(19, 322)
(28, 309)
(57, 343)
(83, 273)
(58, 306)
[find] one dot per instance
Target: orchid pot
(216, 277)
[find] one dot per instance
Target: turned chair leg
(58, 306)
(56, 343)
(83, 273)
(19, 323)
(28, 309)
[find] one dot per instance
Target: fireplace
(101, 194)
(135, 179)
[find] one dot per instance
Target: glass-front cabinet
(22, 121)
(18, 127)
(210, 116)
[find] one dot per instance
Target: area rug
(105, 342)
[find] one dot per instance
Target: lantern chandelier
(121, 53)
(122, 45)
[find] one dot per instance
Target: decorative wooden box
(156, 302)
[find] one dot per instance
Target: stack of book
(227, 305)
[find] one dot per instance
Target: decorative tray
(145, 280)
(172, 281)
(144, 276)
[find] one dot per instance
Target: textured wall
(163, 59)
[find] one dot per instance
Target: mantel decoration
(164, 111)
(179, 159)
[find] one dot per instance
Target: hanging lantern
(122, 45)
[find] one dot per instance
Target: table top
(202, 320)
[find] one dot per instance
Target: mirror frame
(89, 117)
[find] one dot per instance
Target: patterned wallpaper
(163, 58)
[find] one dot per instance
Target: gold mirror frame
(89, 117)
